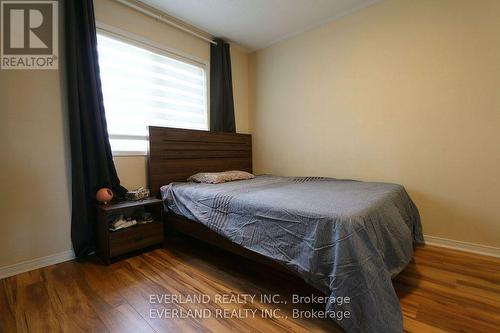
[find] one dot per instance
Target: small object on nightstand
(104, 195)
(121, 222)
(128, 226)
(139, 194)
(145, 217)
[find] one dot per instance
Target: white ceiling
(255, 24)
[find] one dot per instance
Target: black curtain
(221, 88)
(92, 164)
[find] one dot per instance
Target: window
(142, 88)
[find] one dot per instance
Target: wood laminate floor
(440, 291)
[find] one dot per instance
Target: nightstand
(111, 244)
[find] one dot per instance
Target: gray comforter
(346, 238)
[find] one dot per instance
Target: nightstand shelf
(111, 244)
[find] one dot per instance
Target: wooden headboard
(175, 154)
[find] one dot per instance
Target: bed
(346, 238)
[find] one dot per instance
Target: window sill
(129, 153)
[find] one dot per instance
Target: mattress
(346, 238)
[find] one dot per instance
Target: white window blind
(142, 88)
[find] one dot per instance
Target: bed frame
(175, 154)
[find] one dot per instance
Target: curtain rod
(164, 20)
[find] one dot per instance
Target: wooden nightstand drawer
(113, 244)
(134, 238)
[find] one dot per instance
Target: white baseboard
(463, 246)
(32, 264)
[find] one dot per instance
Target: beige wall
(35, 195)
(35, 166)
(132, 169)
(404, 91)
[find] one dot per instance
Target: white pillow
(219, 177)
